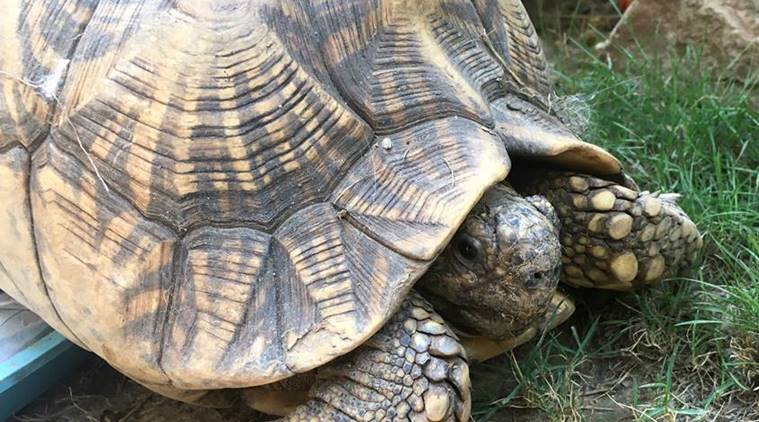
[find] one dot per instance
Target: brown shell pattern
(217, 194)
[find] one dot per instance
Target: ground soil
(98, 393)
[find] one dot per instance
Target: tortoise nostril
(537, 280)
(542, 279)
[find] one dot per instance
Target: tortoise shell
(219, 194)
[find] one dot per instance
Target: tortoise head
(497, 276)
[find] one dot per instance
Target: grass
(687, 349)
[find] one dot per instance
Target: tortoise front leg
(414, 368)
(614, 237)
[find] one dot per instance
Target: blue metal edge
(35, 369)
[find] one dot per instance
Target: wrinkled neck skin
(497, 276)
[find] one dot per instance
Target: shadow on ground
(98, 393)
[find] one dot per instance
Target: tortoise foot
(414, 368)
(614, 237)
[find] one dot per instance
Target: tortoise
(240, 196)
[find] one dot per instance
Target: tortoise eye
(468, 248)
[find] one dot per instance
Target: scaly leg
(414, 368)
(614, 237)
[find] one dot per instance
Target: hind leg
(614, 237)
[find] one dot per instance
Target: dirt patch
(98, 393)
(725, 31)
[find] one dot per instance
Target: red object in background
(624, 4)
